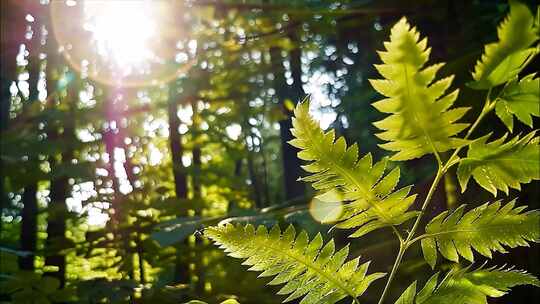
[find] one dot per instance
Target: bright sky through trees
(123, 31)
(129, 128)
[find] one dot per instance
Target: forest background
(128, 126)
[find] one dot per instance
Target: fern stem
(393, 272)
(397, 233)
(405, 245)
(488, 107)
(440, 173)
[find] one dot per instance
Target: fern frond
(307, 268)
(486, 229)
(520, 99)
(421, 122)
(498, 165)
(340, 176)
(504, 59)
(467, 287)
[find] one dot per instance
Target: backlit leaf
(500, 165)
(504, 59)
(310, 270)
(488, 228)
(369, 196)
(421, 121)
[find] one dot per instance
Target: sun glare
(125, 43)
(123, 32)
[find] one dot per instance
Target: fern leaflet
(498, 165)
(307, 268)
(504, 59)
(421, 122)
(519, 98)
(339, 176)
(467, 287)
(486, 228)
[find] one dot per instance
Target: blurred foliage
(100, 153)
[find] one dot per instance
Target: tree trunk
(197, 192)
(196, 152)
(181, 267)
(291, 164)
(176, 146)
(295, 57)
(233, 204)
(11, 35)
(265, 183)
(30, 208)
(59, 187)
(56, 226)
(57, 209)
(253, 177)
(29, 227)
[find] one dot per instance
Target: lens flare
(122, 31)
(325, 212)
(124, 43)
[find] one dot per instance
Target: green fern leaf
(486, 229)
(340, 176)
(519, 98)
(467, 287)
(504, 59)
(307, 268)
(421, 122)
(498, 165)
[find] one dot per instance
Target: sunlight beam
(123, 32)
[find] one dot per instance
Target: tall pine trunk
(59, 187)
(59, 192)
(196, 151)
(253, 176)
(28, 234)
(181, 267)
(196, 185)
(291, 164)
(176, 146)
(11, 36)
